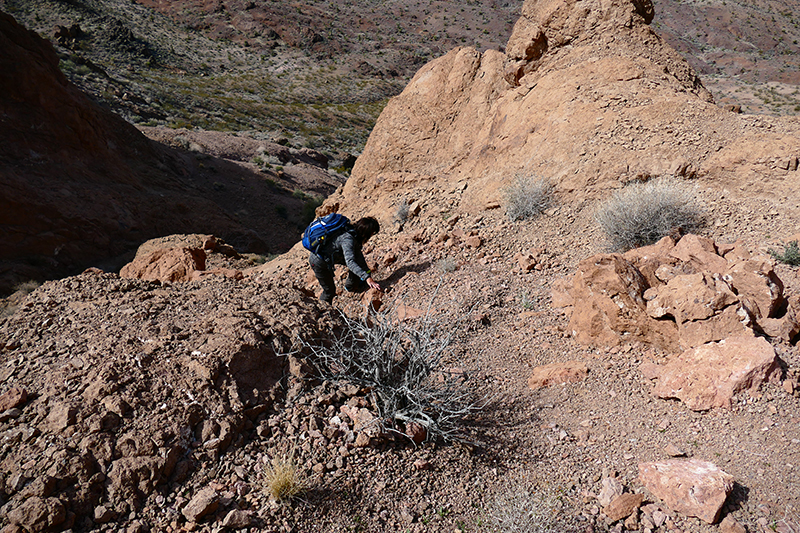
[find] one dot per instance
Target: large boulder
(170, 264)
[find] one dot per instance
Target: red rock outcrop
(710, 375)
(586, 94)
(675, 295)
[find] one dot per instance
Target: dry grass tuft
(519, 510)
(282, 478)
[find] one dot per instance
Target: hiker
(345, 249)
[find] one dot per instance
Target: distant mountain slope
(320, 72)
(81, 186)
(747, 53)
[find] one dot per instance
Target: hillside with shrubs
(588, 320)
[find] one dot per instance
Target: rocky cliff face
(586, 94)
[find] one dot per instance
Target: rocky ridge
(155, 404)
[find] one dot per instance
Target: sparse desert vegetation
(642, 213)
(528, 197)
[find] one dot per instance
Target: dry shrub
(446, 265)
(528, 197)
(282, 478)
(642, 213)
(518, 510)
(403, 364)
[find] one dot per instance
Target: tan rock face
(690, 487)
(470, 122)
(710, 375)
(172, 264)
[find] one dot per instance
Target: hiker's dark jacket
(345, 249)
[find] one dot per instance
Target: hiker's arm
(354, 259)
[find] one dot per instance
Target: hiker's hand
(374, 284)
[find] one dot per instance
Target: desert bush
(402, 363)
(519, 510)
(446, 264)
(790, 254)
(401, 214)
(282, 478)
(642, 213)
(528, 197)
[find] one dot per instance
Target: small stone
(730, 525)
(103, 514)
(15, 397)
(203, 503)
(623, 506)
(422, 464)
(238, 519)
(673, 451)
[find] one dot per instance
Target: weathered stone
(685, 286)
(203, 503)
(103, 514)
(14, 397)
(701, 253)
(135, 476)
(623, 506)
(363, 419)
(611, 488)
(673, 451)
(759, 288)
(416, 432)
(730, 525)
(61, 416)
(527, 41)
(690, 487)
(170, 264)
(610, 290)
(38, 514)
(710, 375)
(557, 373)
(238, 519)
(526, 262)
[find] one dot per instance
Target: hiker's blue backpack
(322, 229)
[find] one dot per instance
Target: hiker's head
(366, 227)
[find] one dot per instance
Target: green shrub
(528, 197)
(404, 363)
(642, 213)
(790, 254)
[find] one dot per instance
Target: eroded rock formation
(586, 94)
